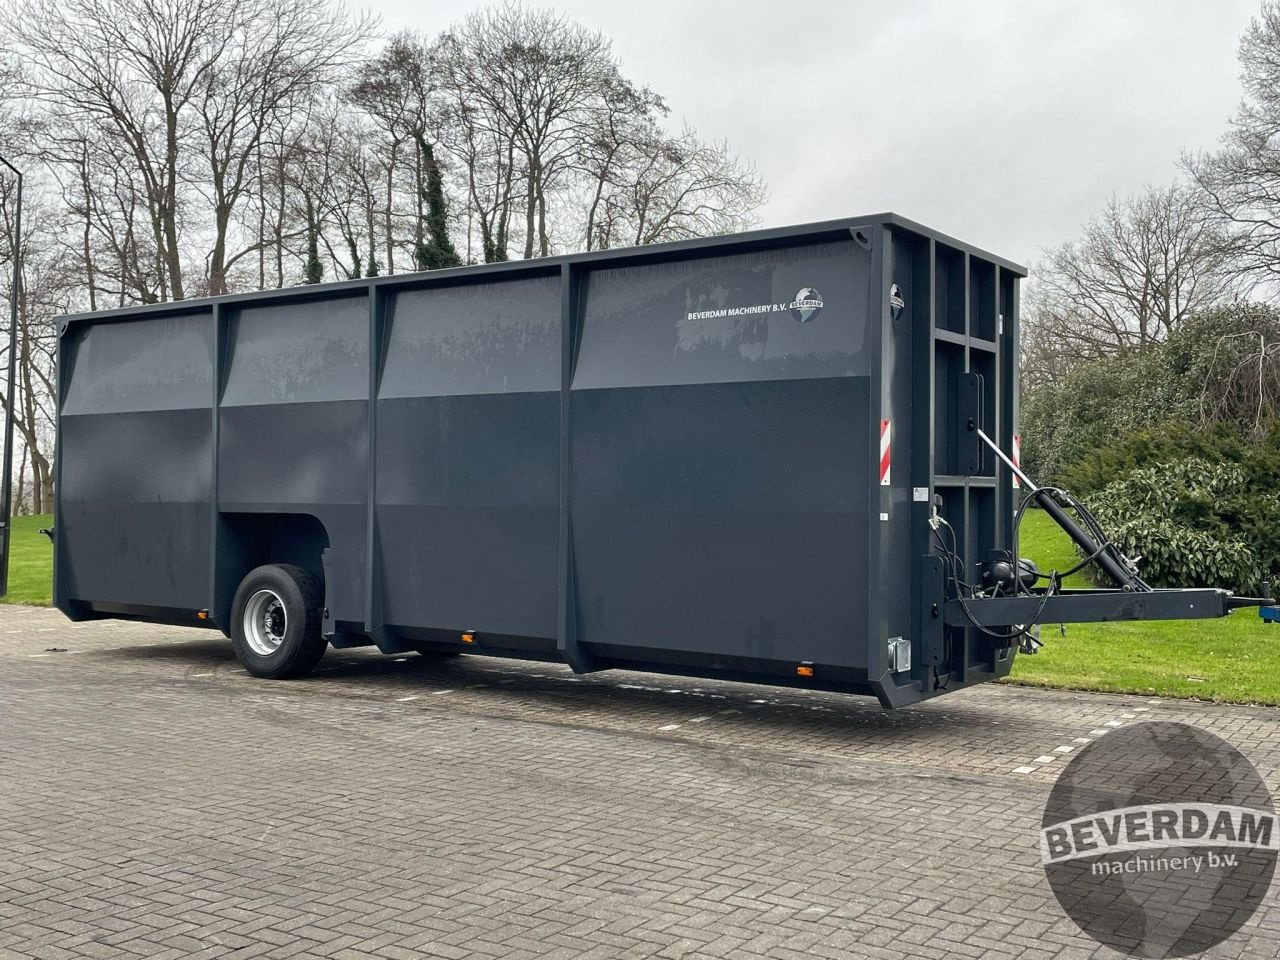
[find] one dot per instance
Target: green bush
(1063, 422)
(1219, 370)
(1169, 443)
(1176, 448)
(1194, 522)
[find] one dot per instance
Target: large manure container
(717, 457)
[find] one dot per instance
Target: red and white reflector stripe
(884, 453)
(1017, 458)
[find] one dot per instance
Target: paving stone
(157, 801)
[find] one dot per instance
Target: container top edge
(512, 269)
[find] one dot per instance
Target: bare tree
(49, 285)
(1142, 266)
(272, 56)
(133, 67)
(678, 187)
(349, 179)
(398, 90)
(488, 154)
(537, 79)
(1241, 181)
(182, 147)
(187, 88)
(626, 128)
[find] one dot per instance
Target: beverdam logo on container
(805, 306)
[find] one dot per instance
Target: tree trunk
(173, 255)
(46, 488)
(86, 238)
(388, 221)
(531, 212)
(20, 494)
(544, 242)
(262, 226)
(280, 212)
(218, 256)
(419, 190)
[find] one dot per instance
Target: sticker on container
(884, 453)
(920, 494)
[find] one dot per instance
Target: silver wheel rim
(265, 622)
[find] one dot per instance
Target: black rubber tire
(303, 644)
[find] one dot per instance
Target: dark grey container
(664, 458)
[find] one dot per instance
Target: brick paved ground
(156, 801)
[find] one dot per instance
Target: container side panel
(467, 512)
(316, 350)
(721, 434)
(293, 428)
(724, 519)
(725, 319)
(468, 473)
(305, 458)
(949, 301)
(292, 453)
(162, 364)
(135, 445)
(476, 339)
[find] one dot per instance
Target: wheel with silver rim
(265, 622)
(276, 621)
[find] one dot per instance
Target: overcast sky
(1006, 124)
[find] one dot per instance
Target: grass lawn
(30, 562)
(1234, 659)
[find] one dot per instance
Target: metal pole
(1026, 481)
(1102, 555)
(6, 482)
